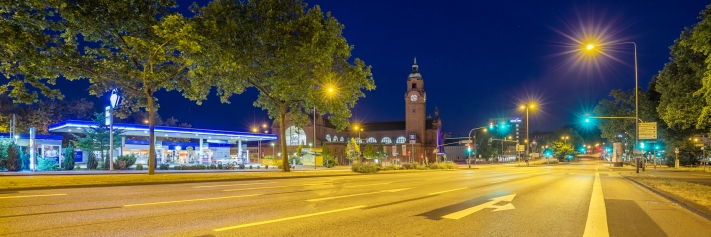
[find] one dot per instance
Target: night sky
(479, 59)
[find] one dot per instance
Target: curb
(671, 198)
(3, 190)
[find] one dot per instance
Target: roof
(384, 126)
(37, 136)
(76, 126)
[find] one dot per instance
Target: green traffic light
(587, 120)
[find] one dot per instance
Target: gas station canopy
(219, 136)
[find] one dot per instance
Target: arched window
(295, 136)
(400, 140)
(335, 138)
(328, 137)
(386, 140)
(358, 141)
(341, 139)
(372, 140)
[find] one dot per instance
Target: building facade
(417, 138)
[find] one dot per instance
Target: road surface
(496, 200)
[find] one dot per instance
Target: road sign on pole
(520, 148)
(648, 130)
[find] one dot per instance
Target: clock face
(413, 97)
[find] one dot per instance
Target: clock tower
(415, 99)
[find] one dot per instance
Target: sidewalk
(299, 168)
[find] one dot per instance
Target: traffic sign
(520, 148)
(648, 130)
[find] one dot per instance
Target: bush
(91, 163)
(47, 164)
(129, 161)
(329, 161)
(250, 167)
(450, 165)
(434, 166)
(139, 167)
(189, 167)
(219, 166)
(212, 166)
(164, 167)
(68, 162)
(389, 167)
(266, 167)
(365, 168)
(78, 167)
(13, 162)
(417, 166)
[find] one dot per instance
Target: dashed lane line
(446, 191)
(228, 185)
(270, 187)
(357, 194)
(191, 200)
(288, 218)
(39, 195)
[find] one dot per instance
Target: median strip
(190, 200)
(287, 218)
(40, 195)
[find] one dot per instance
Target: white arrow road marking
(357, 194)
(460, 214)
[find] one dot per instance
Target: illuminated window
(341, 139)
(328, 137)
(295, 136)
(372, 140)
(400, 140)
(386, 140)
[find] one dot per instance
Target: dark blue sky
(479, 59)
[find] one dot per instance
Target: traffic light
(491, 125)
(587, 120)
(469, 148)
(641, 145)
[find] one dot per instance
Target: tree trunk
(151, 137)
(282, 134)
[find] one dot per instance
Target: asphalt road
(500, 200)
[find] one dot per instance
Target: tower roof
(415, 71)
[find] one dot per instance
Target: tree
(68, 163)
(352, 149)
(380, 151)
(368, 152)
(328, 159)
(96, 138)
(43, 113)
(698, 41)
(562, 151)
(296, 57)
(14, 160)
(139, 46)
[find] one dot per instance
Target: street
(582, 199)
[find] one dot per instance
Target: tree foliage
(296, 57)
(368, 152)
(699, 41)
(139, 46)
(96, 138)
(68, 162)
(43, 113)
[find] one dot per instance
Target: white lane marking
(287, 218)
(190, 200)
(227, 185)
(357, 194)
(40, 195)
(269, 187)
(461, 214)
(596, 224)
(363, 185)
(446, 191)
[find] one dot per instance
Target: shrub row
(374, 168)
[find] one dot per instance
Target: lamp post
(591, 47)
(311, 145)
(527, 107)
(114, 101)
(565, 139)
(273, 157)
(474, 140)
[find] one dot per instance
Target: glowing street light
(590, 47)
(527, 107)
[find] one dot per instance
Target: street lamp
(114, 102)
(590, 47)
(565, 139)
(273, 157)
(527, 108)
(474, 140)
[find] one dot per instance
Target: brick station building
(395, 136)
